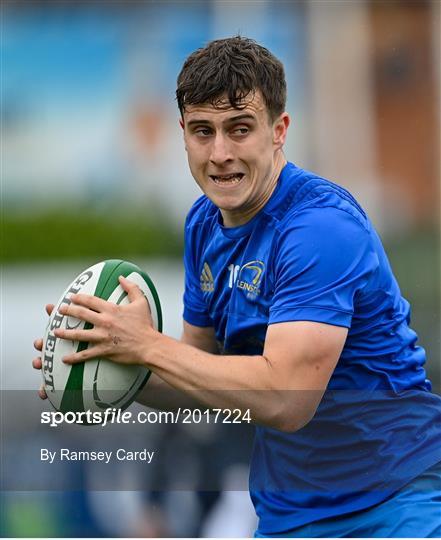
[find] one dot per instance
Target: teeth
(228, 178)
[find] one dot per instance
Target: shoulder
(201, 212)
(316, 201)
(323, 226)
(200, 224)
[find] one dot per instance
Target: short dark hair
(232, 67)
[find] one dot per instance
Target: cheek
(192, 157)
(195, 170)
(259, 157)
(195, 154)
(259, 150)
(196, 164)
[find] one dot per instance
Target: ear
(181, 123)
(280, 129)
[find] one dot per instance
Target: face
(235, 155)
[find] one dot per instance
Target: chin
(227, 203)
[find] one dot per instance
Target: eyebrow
(244, 116)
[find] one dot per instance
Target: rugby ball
(97, 384)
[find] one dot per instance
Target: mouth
(227, 179)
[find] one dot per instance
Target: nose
(220, 150)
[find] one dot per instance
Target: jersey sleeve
(324, 257)
(195, 309)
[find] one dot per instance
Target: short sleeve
(323, 258)
(195, 309)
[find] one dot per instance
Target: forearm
(225, 382)
(297, 356)
(160, 395)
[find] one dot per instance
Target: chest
(237, 285)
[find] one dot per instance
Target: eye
(202, 131)
(241, 130)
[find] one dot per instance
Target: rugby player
(291, 310)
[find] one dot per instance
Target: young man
(288, 293)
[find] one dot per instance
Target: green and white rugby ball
(97, 384)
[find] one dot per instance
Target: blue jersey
(311, 254)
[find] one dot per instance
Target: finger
(37, 363)
(89, 301)
(79, 312)
(38, 344)
(49, 308)
(132, 290)
(135, 294)
(82, 356)
(90, 336)
(149, 311)
(42, 392)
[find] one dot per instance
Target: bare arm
(158, 394)
(282, 387)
